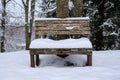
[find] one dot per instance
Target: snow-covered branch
(109, 5)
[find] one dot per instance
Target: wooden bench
(60, 26)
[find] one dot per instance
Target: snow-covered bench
(61, 26)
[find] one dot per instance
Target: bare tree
(28, 26)
(26, 9)
(2, 27)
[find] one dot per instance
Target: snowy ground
(15, 66)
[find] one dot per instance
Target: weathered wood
(75, 28)
(62, 32)
(89, 60)
(61, 22)
(86, 51)
(61, 26)
(32, 60)
(37, 60)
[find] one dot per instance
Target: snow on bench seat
(67, 43)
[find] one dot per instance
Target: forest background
(104, 20)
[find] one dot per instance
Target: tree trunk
(32, 11)
(99, 31)
(26, 8)
(28, 26)
(62, 8)
(77, 10)
(2, 49)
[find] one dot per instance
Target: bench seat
(61, 47)
(78, 27)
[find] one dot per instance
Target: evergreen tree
(104, 25)
(111, 24)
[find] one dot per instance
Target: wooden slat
(86, 51)
(61, 23)
(45, 32)
(62, 28)
(89, 49)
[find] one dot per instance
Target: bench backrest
(62, 26)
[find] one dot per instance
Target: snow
(70, 3)
(16, 66)
(72, 27)
(109, 5)
(71, 18)
(114, 33)
(109, 23)
(22, 44)
(67, 43)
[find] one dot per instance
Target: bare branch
(26, 4)
(8, 1)
(23, 3)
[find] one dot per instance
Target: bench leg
(89, 60)
(37, 60)
(32, 60)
